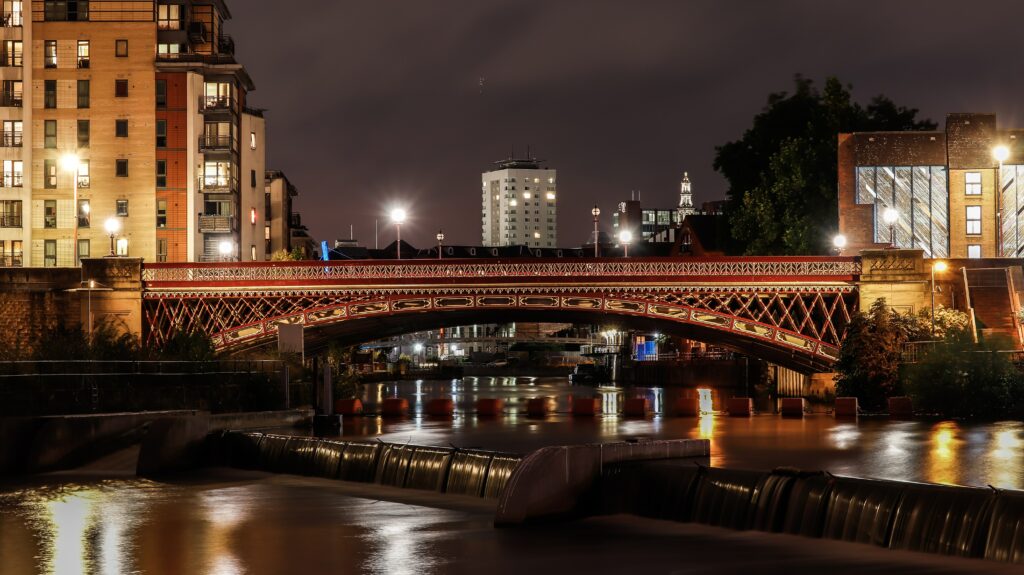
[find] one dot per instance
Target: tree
(288, 256)
(188, 346)
(783, 172)
(966, 380)
(869, 358)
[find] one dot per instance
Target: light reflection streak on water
(1006, 460)
(224, 510)
(845, 435)
(944, 453)
(68, 519)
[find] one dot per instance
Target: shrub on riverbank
(869, 359)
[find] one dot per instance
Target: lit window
(526, 195)
(973, 220)
(122, 208)
(252, 140)
(513, 203)
(974, 251)
(122, 246)
(536, 234)
(972, 184)
(551, 195)
(252, 215)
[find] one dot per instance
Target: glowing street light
(225, 247)
(937, 266)
(398, 217)
(839, 242)
(595, 212)
(625, 236)
(1001, 154)
(112, 226)
(440, 238)
(71, 163)
(890, 216)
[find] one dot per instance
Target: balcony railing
(226, 45)
(10, 221)
(15, 260)
(11, 61)
(11, 20)
(11, 181)
(218, 224)
(10, 100)
(216, 104)
(197, 32)
(217, 184)
(208, 142)
(10, 140)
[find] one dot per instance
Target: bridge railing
(839, 268)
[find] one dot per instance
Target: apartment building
(125, 130)
(954, 193)
(520, 204)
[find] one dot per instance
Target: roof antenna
(528, 156)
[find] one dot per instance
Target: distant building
(951, 195)
(655, 224)
(283, 229)
(519, 204)
(685, 197)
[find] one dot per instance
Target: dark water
(247, 522)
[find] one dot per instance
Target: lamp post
(112, 226)
(596, 212)
(890, 215)
(838, 243)
(398, 217)
(440, 238)
(70, 163)
(225, 248)
(937, 266)
(1000, 153)
(625, 236)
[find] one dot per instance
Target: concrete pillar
(117, 295)
(899, 276)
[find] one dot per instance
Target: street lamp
(112, 226)
(70, 163)
(1000, 153)
(839, 242)
(937, 266)
(890, 215)
(398, 217)
(225, 248)
(596, 212)
(626, 236)
(440, 238)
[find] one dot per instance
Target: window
(161, 250)
(83, 133)
(973, 220)
(11, 93)
(12, 133)
(12, 55)
(50, 253)
(13, 173)
(122, 246)
(121, 128)
(50, 174)
(83, 93)
(50, 134)
(83, 53)
(120, 88)
(49, 213)
(122, 208)
(50, 94)
(216, 174)
(252, 176)
(161, 133)
(121, 166)
(121, 48)
(252, 140)
(49, 53)
(168, 50)
(217, 95)
(168, 17)
(161, 173)
(66, 10)
(83, 213)
(10, 214)
(972, 183)
(83, 250)
(974, 251)
(161, 93)
(83, 174)
(161, 213)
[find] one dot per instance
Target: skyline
(403, 117)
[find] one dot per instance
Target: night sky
(377, 102)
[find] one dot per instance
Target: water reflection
(1006, 460)
(942, 461)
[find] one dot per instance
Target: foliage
(869, 358)
(783, 172)
(966, 380)
(188, 346)
(950, 324)
(288, 256)
(107, 342)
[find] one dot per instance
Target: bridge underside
(799, 328)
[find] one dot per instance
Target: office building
(519, 200)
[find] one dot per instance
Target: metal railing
(11, 140)
(10, 100)
(217, 184)
(9, 221)
(216, 103)
(208, 142)
(212, 223)
(753, 270)
(11, 181)
(12, 260)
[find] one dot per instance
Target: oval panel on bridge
(453, 302)
(404, 304)
(582, 302)
(710, 318)
(367, 308)
(325, 315)
(753, 329)
(667, 311)
(496, 300)
(242, 333)
(538, 301)
(627, 306)
(795, 341)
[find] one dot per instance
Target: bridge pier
(112, 291)
(899, 276)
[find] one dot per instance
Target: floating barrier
(489, 407)
(846, 407)
(740, 406)
(394, 407)
(539, 406)
(635, 407)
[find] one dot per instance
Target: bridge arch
(789, 310)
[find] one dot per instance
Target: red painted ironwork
(800, 304)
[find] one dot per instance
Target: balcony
(10, 140)
(226, 45)
(217, 184)
(10, 100)
(197, 32)
(10, 221)
(14, 260)
(217, 104)
(216, 224)
(216, 143)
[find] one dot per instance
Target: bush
(188, 346)
(870, 355)
(962, 379)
